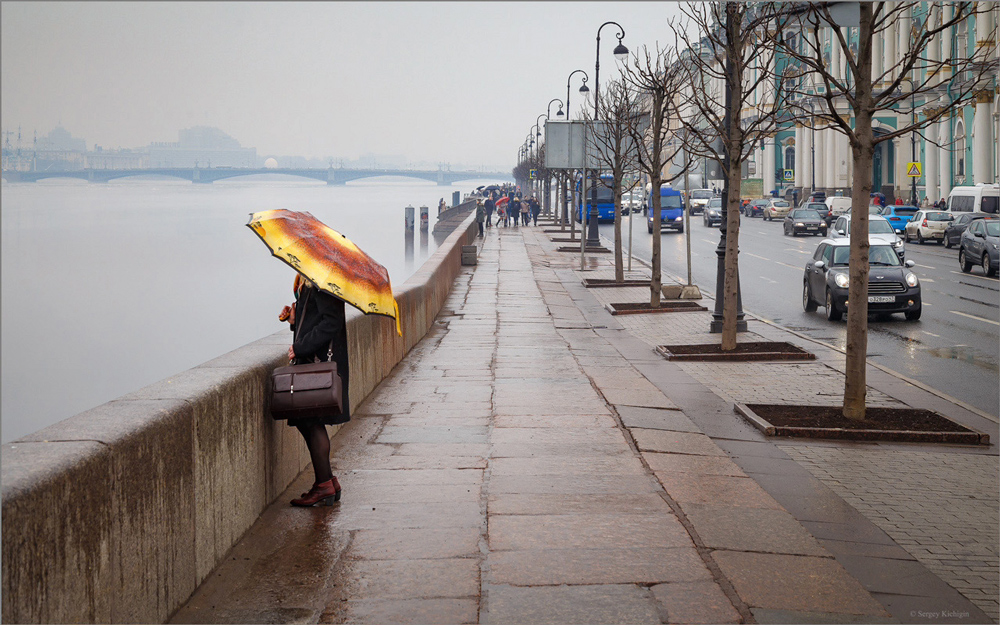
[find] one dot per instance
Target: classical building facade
(960, 149)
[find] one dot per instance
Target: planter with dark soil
(632, 308)
(589, 249)
(750, 351)
(595, 283)
(881, 424)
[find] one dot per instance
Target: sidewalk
(533, 460)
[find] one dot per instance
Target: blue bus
(605, 200)
(671, 209)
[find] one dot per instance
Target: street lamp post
(548, 190)
(548, 109)
(621, 53)
(571, 180)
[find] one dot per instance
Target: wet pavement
(533, 460)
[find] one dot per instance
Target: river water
(109, 287)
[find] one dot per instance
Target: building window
(790, 157)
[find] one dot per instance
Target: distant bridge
(210, 175)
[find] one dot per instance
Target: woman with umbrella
(319, 327)
(331, 270)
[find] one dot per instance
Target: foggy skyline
(441, 82)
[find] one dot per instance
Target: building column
(799, 143)
(931, 175)
(983, 141)
(878, 65)
(842, 161)
(944, 156)
(768, 168)
(807, 136)
(821, 159)
(829, 157)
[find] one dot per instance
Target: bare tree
(611, 142)
(726, 73)
(921, 75)
(653, 81)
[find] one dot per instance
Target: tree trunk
(619, 268)
(655, 283)
(857, 311)
(729, 292)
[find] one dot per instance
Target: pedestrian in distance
(525, 211)
(490, 205)
(442, 206)
(480, 216)
(319, 330)
(514, 210)
(536, 208)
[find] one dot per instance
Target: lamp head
(584, 90)
(621, 52)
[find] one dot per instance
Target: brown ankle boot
(325, 493)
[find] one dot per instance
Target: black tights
(318, 442)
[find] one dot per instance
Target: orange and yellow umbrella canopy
(329, 259)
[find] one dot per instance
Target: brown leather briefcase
(306, 391)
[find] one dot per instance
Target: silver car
(879, 231)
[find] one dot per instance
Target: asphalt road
(953, 347)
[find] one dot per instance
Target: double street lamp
(621, 53)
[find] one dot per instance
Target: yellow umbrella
(329, 259)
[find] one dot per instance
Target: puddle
(964, 353)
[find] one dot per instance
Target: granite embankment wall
(119, 513)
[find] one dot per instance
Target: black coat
(320, 320)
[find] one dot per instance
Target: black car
(804, 221)
(755, 208)
(713, 212)
(953, 233)
(892, 287)
(821, 208)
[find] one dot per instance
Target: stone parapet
(118, 513)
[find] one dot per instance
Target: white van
(982, 198)
(838, 205)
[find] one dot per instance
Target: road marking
(926, 279)
(996, 323)
(931, 333)
(787, 265)
(925, 266)
(769, 280)
(709, 241)
(756, 256)
(972, 275)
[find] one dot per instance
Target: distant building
(202, 146)
(116, 159)
(58, 151)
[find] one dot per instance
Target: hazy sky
(455, 82)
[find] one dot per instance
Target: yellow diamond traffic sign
(913, 170)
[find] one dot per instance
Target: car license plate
(881, 299)
(811, 227)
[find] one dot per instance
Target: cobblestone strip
(941, 507)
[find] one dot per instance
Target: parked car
(892, 287)
(980, 245)
(804, 221)
(755, 208)
(671, 210)
(981, 198)
(776, 209)
(899, 216)
(713, 212)
(879, 231)
(953, 233)
(698, 200)
(927, 224)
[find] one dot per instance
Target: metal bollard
(424, 217)
(409, 218)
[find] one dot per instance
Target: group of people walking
(510, 210)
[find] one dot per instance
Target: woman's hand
(291, 353)
(287, 314)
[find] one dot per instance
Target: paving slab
(583, 605)
(726, 490)
(675, 442)
(610, 565)
(655, 419)
(696, 602)
(797, 583)
(751, 529)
